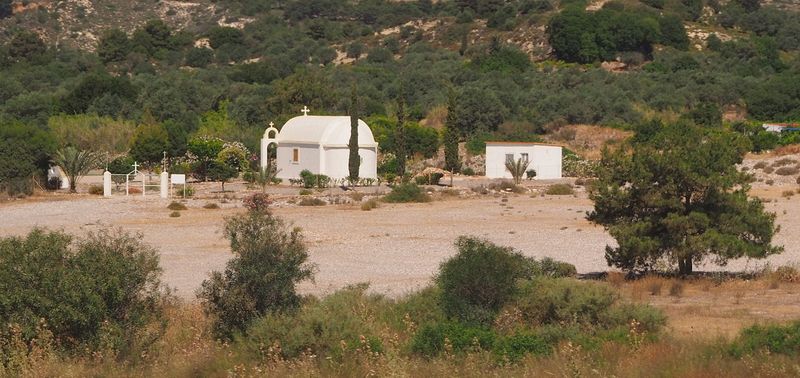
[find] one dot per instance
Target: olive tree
(673, 194)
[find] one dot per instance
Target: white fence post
(106, 184)
(164, 185)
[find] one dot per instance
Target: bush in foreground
(99, 291)
(269, 260)
(331, 327)
(478, 281)
(407, 192)
(780, 339)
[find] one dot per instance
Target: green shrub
(421, 307)
(312, 201)
(175, 214)
(650, 319)
(781, 339)
(305, 192)
(321, 326)
(211, 206)
(268, 262)
(176, 206)
(431, 179)
(309, 179)
(516, 346)
(406, 193)
(101, 290)
(430, 340)
(467, 171)
(563, 300)
(552, 268)
(472, 292)
(559, 190)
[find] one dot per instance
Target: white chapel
(319, 144)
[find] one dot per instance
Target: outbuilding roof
(495, 143)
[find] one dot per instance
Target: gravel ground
(397, 248)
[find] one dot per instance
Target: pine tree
(673, 194)
(354, 161)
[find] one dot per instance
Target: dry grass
(615, 279)
(700, 325)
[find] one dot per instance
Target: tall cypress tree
(452, 162)
(354, 161)
(400, 138)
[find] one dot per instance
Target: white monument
(320, 145)
(545, 159)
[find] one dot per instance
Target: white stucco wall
(337, 162)
(309, 158)
(545, 159)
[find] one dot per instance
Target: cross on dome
(305, 110)
(135, 167)
(272, 124)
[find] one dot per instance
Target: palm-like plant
(75, 163)
(517, 169)
(266, 176)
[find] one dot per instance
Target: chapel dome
(324, 130)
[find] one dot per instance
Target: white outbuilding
(545, 159)
(320, 145)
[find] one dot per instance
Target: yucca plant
(517, 169)
(75, 163)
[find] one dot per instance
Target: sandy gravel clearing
(397, 248)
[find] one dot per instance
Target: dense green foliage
(24, 154)
(673, 194)
(580, 36)
(99, 291)
(268, 262)
(479, 280)
(407, 192)
(768, 339)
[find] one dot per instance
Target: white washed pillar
(164, 186)
(106, 184)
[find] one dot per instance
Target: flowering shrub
(257, 202)
(575, 166)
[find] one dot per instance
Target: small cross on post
(135, 167)
(305, 110)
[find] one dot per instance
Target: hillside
(164, 73)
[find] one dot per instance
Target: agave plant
(75, 163)
(517, 169)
